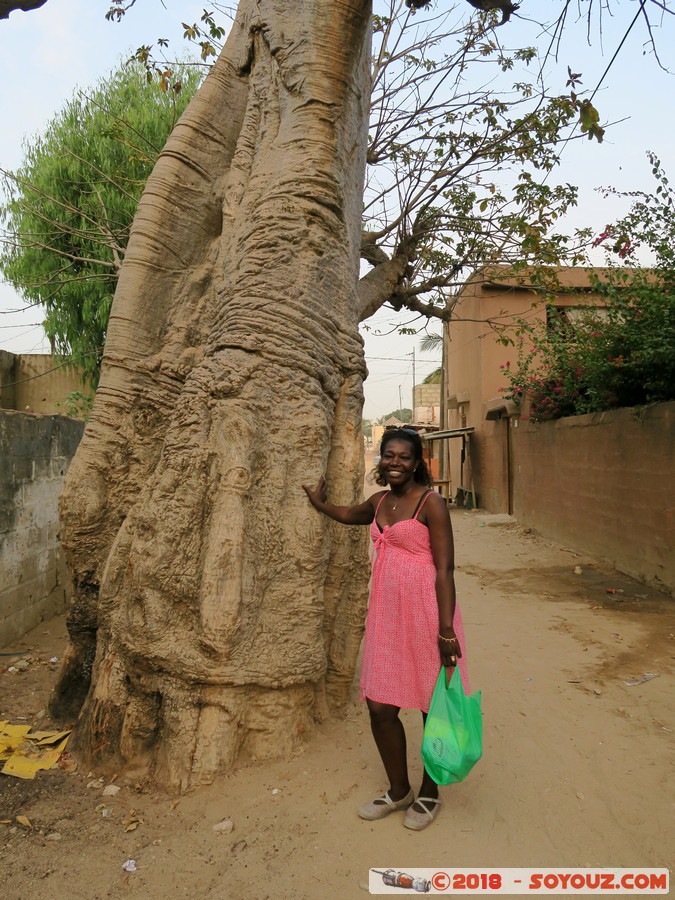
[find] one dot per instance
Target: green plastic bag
(453, 732)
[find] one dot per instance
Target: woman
(413, 625)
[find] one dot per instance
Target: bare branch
(67, 207)
(127, 125)
(66, 255)
(378, 286)
(370, 250)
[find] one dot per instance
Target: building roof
(449, 433)
(561, 279)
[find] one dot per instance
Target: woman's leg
(389, 737)
(428, 788)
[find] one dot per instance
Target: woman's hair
(421, 475)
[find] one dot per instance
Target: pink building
(478, 465)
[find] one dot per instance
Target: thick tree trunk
(215, 612)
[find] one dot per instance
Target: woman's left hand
(449, 648)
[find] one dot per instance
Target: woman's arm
(363, 514)
(443, 552)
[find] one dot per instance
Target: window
(567, 320)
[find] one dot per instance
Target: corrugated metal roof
(451, 433)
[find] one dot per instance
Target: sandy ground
(576, 768)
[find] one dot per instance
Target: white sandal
(419, 820)
(382, 806)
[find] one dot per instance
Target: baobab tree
(214, 612)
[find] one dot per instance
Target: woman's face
(398, 462)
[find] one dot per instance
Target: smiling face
(398, 462)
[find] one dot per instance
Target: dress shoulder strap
(423, 500)
(379, 503)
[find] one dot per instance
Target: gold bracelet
(449, 640)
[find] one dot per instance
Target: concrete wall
(7, 379)
(35, 382)
(35, 452)
(603, 484)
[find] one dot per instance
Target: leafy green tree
(434, 377)
(68, 209)
(403, 415)
(624, 353)
(431, 342)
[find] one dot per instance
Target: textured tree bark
(215, 612)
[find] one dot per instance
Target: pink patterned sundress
(401, 660)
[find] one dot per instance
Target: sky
(45, 55)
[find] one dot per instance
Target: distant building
(475, 413)
(378, 430)
(427, 409)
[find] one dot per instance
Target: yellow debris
(24, 754)
(11, 737)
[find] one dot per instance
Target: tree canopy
(465, 133)
(621, 350)
(464, 136)
(435, 377)
(68, 209)
(403, 415)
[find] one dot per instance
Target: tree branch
(430, 310)
(370, 250)
(8, 6)
(384, 281)
(378, 286)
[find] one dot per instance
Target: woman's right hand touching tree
(362, 514)
(318, 495)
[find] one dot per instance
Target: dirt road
(577, 768)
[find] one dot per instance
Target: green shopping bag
(453, 732)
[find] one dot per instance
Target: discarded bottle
(400, 879)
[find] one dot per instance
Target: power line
(15, 336)
(602, 77)
(402, 359)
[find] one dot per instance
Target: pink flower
(601, 237)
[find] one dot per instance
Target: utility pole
(400, 402)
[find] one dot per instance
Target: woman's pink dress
(401, 660)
